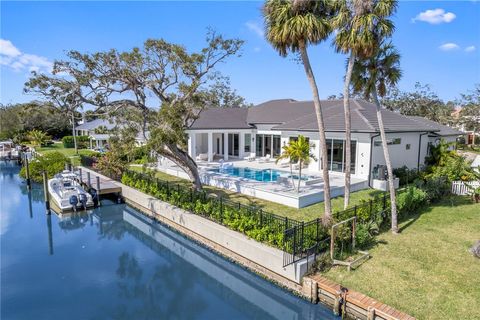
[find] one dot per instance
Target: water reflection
(114, 263)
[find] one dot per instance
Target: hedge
(83, 142)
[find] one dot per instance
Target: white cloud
(435, 16)
(449, 46)
(255, 28)
(12, 57)
(8, 49)
(470, 49)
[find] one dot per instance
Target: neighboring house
(99, 140)
(263, 130)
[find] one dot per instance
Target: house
(100, 131)
(234, 133)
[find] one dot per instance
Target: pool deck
(283, 193)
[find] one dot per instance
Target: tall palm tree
(291, 26)
(358, 24)
(373, 77)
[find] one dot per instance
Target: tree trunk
(299, 174)
(348, 128)
(327, 216)
(386, 154)
(184, 161)
(74, 133)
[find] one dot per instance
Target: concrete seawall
(254, 255)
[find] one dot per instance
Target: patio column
(225, 146)
(210, 147)
(241, 146)
(192, 144)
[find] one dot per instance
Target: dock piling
(45, 191)
(98, 190)
(27, 171)
(80, 174)
(88, 180)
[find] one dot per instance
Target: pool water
(262, 175)
(114, 263)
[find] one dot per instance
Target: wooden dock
(101, 184)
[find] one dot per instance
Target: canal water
(114, 263)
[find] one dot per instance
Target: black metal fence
(312, 238)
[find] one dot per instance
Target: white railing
(461, 188)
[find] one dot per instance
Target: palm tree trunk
(386, 155)
(74, 134)
(348, 128)
(299, 175)
(327, 216)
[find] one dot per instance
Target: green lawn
(426, 270)
(306, 214)
(69, 152)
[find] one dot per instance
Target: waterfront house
(262, 130)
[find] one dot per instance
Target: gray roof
(292, 115)
(222, 118)
(92, 125)
(443, 130)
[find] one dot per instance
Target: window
(336, 152)
(248, 142)
(378, 143)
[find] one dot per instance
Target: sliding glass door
(268, 144)
(233, 144)
(336, 155)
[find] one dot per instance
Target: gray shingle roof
(288, 114)
(443, 129)
(92, 125)
(222, 118)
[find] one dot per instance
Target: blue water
(114, 263)
(263, 175)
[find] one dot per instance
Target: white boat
(8, 150)
(67, 194)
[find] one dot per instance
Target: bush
(411, 200)
(406, 175)
(435, 187)
(83, 142)
(52, 162)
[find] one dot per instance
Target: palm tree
(297, 151)
(37, 137)
(358, 24)
(290, 27)
(373, 76)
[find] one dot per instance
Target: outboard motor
(94, 195)
(83, 200)
(74, 202)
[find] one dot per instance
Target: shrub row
(52, 162)
(252, 221)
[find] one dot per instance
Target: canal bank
(261, 259)
(113, 262)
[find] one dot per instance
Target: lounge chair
(202, 157)
(250, 157)
(264, 159)
(283, 163)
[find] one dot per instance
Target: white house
(234, 133)
(100, 140)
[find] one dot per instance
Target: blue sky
(440, 47)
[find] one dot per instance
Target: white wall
(399, 154)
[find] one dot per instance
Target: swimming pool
(262, 175)
(115, 263)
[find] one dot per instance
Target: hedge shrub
(83, 142)
(52, 162)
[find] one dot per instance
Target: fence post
(46, 194)
(294, 241)
(384, 201)
(301, 239)
(261, 218)
(286, 223)
(168, 190)
(371, 206)
(318, 229)
(355, 210)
